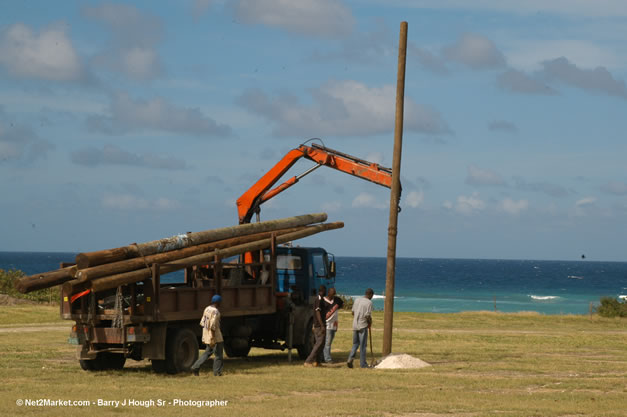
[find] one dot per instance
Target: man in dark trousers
(362, 320)
(319, 328)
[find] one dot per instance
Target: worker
(212, 337)
(362, 321)
(319, 328)
(333, 304)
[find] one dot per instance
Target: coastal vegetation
(483, 363)
(612, 307)
(7, 287)
(348, 302)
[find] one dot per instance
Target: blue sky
(128, 122)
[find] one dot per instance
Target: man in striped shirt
(333, 304)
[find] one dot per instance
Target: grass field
(484, 364)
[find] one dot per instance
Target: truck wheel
(112, 360)
(87, 365)
(181, 351)
(104, 361)
(158, 365)
(305, 349)
(236, 347)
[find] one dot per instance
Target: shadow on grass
(255, 361)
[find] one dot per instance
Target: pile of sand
(401, 361)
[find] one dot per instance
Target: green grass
(484, 364)
(30, 315)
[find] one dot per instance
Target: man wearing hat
(212, 337)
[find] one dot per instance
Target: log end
(82, 261)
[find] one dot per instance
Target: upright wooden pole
(395, 194)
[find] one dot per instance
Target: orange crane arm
(260, 192)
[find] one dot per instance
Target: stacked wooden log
(102, 270)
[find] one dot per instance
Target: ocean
(445, 285)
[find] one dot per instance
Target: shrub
(348, 302)
(611, 307)
(7, 286)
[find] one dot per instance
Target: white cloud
(597, 79)
(585, 205)
(585, 8)
(469, 204)
(127, 114)
(113, 155)
(19, 143)
(131, 202)
(479, 176)
(48, 55)
(375, 157)
(447, 205)
(140, 62)
(547, 188)
(475, 51)
(415, 199)
(135, 36)
(372, 47)
(529, 54)
(513, 207)
(321, 18)
(427, 59)
(586, 201)
(342, 108)
(369, 201)
(615, 187)
(519, 82)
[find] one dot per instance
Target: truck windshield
(319, 264)
(291, 262)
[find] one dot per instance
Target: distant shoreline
(587, 260)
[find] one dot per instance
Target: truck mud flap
(155, 348)
(83, 353)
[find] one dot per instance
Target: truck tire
(305, 349)
(104, 361)
(237, 347)
(87, 365)
(113, 361)
(158, 365)
(181, 351)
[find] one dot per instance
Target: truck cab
(301, 271)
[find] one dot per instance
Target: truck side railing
(153, 301)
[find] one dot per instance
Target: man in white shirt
(362, 320)
(212, 337)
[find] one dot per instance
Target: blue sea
(446, 285)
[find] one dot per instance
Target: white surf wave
(575, 277)
(543, 297)
(374, 297)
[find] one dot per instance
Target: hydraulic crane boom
(260, 192)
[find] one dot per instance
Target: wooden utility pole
(395, 194)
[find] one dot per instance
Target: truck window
(291, 262)
(320, 265)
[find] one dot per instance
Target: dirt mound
(401, 361)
